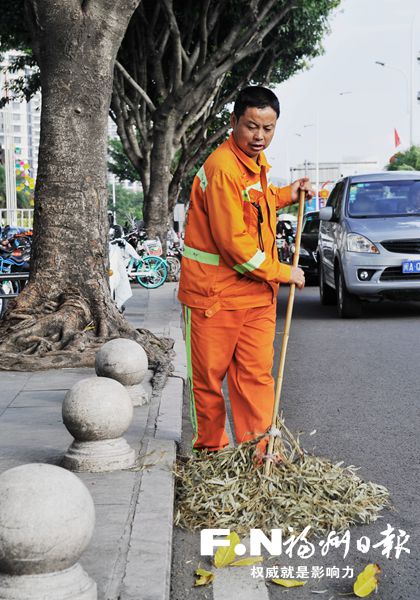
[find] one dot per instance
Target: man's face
(254, 130)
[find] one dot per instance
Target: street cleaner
(230, 277)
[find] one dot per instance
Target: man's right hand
(297, 277)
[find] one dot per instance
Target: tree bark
(66, 309)
(156, 199)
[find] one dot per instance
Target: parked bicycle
(147, 267)
(150, 271)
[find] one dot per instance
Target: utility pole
(9, 167)
(9, 154)
(114, 199)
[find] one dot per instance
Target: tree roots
(68, 333)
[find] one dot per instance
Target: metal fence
(17, 217)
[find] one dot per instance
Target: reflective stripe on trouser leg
(193, 413)
(250, 383)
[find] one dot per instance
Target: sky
(356, 103)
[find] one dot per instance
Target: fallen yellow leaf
(203, 577)
(247, 562)
(288, 582)
(226, 554)
(367, 581)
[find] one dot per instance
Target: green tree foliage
(405, 161)
(119, 163)
(128, 204)
(15, 36)
(24, 198)
(13, 32)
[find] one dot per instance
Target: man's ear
(233, 119)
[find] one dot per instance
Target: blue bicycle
(150, 271)
(10, 287)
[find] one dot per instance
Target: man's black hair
(255, 96)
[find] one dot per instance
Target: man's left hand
(302, 184)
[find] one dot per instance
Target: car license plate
(411, 266)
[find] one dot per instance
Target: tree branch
(204, 34)
(136, 86)
(241, 43)
(152, 56)
(179, 52)
(132, 151)
(192, 117)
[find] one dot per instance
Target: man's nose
(258, 134)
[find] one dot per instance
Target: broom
(285, 340)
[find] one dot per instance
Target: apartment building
(23, 120)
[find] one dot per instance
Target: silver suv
(369, 240)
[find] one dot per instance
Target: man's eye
(268, 128)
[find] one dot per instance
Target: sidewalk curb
(148, 567)
(149, 558)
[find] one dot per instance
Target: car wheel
(326, 293)
(348, 305)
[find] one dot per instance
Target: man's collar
(247, 160)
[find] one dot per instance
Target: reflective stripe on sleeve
(252, 263)
(201, 174)
(200, 256)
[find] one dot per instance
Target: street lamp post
(409, 92)
(408, 78)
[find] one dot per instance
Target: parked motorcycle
(285, 240)
(173, 254)
(13, 261)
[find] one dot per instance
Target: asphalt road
(356, 382)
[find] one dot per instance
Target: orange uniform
(228, 286)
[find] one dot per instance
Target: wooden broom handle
(285, 339)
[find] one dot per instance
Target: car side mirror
(326, 213)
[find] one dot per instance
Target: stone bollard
(47, 518)
(97, 411)
(125, 361)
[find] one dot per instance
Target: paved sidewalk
(129, 556)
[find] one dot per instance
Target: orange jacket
(227, 263)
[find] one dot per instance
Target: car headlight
(303, 252)
(358, 243)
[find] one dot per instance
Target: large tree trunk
(66, 310)
(155, 208)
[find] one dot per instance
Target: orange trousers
(239, 343)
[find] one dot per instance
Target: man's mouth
(257, 146)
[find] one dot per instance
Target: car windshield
(384, 199)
